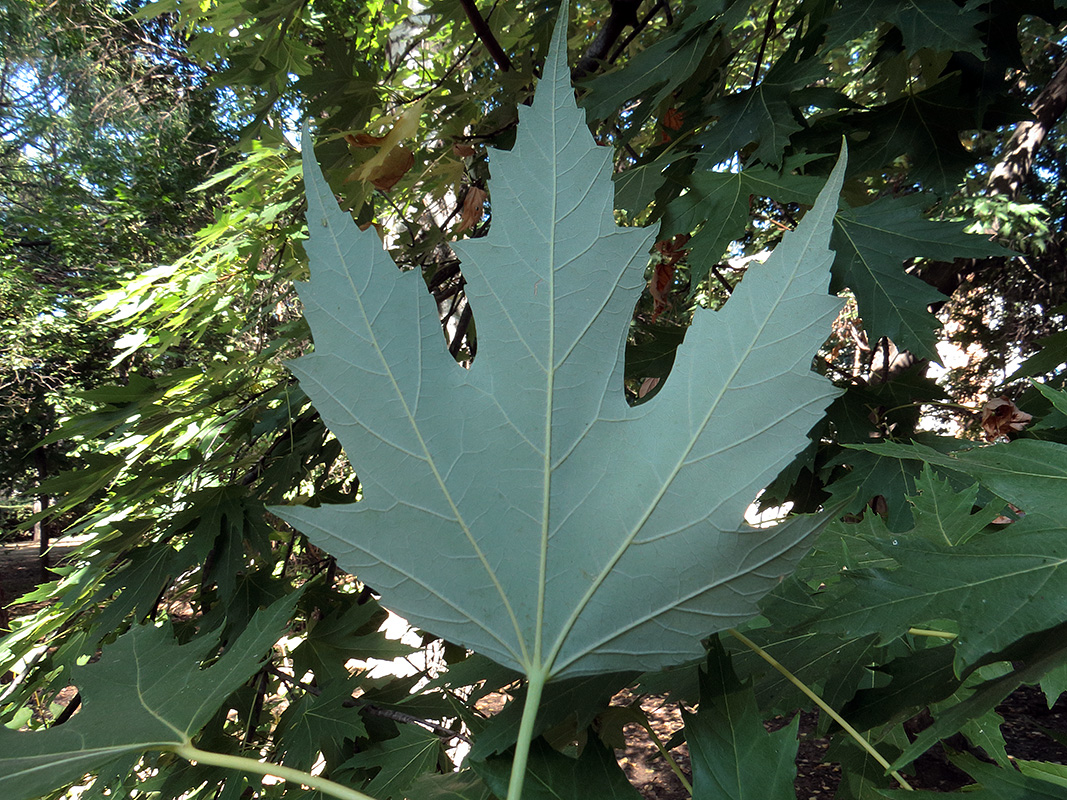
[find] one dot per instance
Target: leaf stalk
(190, 752)
(793, 679)
(930, 633)
(534, 689)
(663, 751)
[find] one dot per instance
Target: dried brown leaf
(473, 208)
(1001, 418)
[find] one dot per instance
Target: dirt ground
(21, 572)
(1025, 715)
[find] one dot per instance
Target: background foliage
(151, 229)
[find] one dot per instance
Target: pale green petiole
(534, 689)
(663, 751)
(793, 679)
(930, 633)
(328, 787)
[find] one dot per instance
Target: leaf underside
(521, 508)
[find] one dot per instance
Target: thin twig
(400, 716)
(725, 283)
(449, 291)
(257, 708)
(68, 712)
(626, 145)
(445, 272)
(375, 711)
(452, 307)
(767, 31)
(665, 753)
(623, 13)
(288, 552)
(462, 325)
(448, 73)
(402, 216)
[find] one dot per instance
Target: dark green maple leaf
(1029, 474)
(935, 24)
(1050, 358)
(873, 475)
(313, 723)
(400, 761)
(658, 70)
(574, 700)
(921, 127)
(720, 203)
(915, 681)
(764, 114)
(1001, 783)
(997, 587)
(829, 665)
(554, 776)
(943, 514)
(982, 729)
(1057, 397)
(462, 785)
(873, 243)
(521, 508)
(986, 687)
(145, 693)
(638, 186)
(733, 755)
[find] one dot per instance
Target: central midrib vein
(550, 374)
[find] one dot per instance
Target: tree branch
(481, 29)
(1007, 177)
(767, 31)
(375, 711)
(464, 323)
(623, 13)
(640, 26)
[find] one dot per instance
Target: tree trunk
(1007, 178)
(1009, 175)
(41, 504)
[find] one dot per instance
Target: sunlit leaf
(144, 693)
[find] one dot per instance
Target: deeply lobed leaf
(999, 586)
(145, 693)
(521, 507)
(733, 755)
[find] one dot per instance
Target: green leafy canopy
(521, 507)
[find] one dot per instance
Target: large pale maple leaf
(521, 508)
